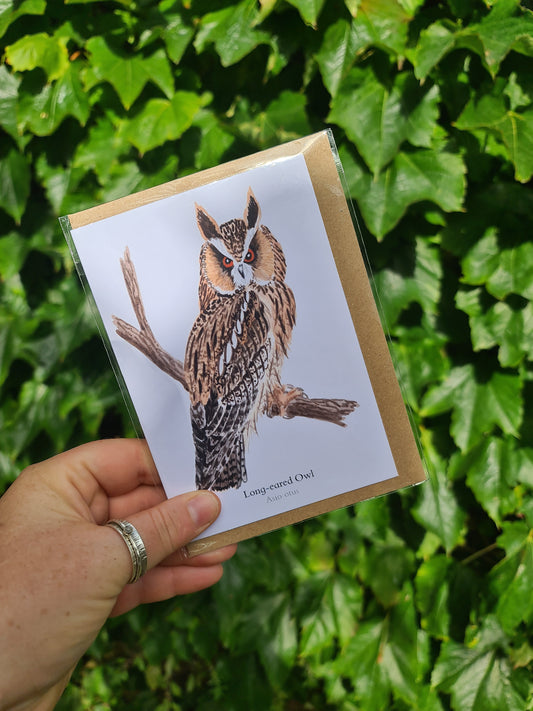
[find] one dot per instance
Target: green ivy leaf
(331, 605)
(515, 129)
(37, 411)
(411, 6)
(421, 360)
(279, 57)
(437, 508)
(15, 309)
(411, 178)
(279, 651)
(513, 275)
(517, 94)
(381, 23)
(378, 119)
(500, 325)
(492, 475)
(381, 658)
(126, 178)
(232, 32)
(492, 208)
(483, 259)
(308, 9)
(42, 51)
(9, 85)
(58, 181)
(433, 595)
(503, 270)
(337, 54)
(414, 275)
(477, 406)
(44, 112)
(215, 141)
(101, 149)
(13, 251)
(387, 569)
(7, 347)
(285, 118)
(245, 674)
(433, 44)
(320, 553)
(373, 520)
(122, 179)
(492, 39)
(15, 179)
(161, 120)
(524, 466)
(512, 578)
(500, 32)
(177, 35)
(477, 675)
(363, 654)
(127, 74)
(11, 11)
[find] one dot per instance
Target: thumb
(169, 526)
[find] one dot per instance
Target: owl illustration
(238, 343)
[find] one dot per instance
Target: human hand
(63, 573)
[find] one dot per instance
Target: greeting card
(238, 315)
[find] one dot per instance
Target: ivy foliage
(420, 600)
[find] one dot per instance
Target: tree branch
(143, 339)
(326, 409)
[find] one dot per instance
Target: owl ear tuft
(207, 226)
(252, 212)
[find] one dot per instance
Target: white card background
(315, 459)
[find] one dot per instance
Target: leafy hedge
(420, 600)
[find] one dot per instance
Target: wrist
(44, 701)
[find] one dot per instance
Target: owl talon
(280, 400)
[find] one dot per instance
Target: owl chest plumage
(233, 361)
(237, 344)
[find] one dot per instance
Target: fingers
(123, 472)
(174, 576)
(121, 465)
(144, 497)
(167, 527)
(116, 465)
(162, 583)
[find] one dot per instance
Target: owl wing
(226, 360)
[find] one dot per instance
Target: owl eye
(250, 256)
(227, 262)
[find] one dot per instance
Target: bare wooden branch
(332, 410)
(142, 338)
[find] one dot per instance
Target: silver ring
(131, 537)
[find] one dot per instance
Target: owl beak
(240, 269)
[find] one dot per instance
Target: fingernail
(203, 508)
